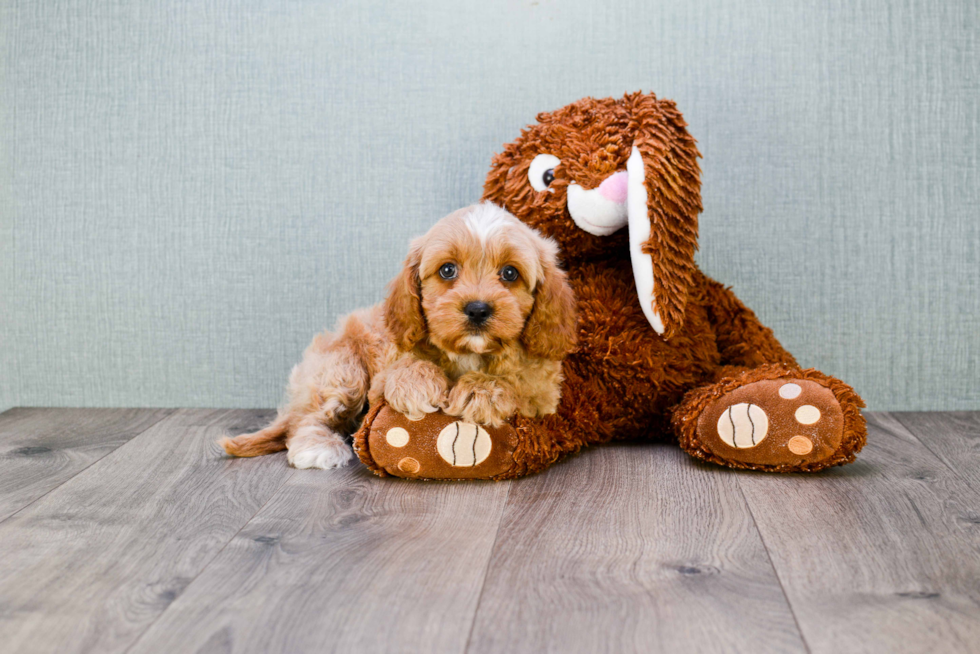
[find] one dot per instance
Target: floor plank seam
(197, 576)
(169, 413)
(937, 455)
(486, 568)
(772, 564)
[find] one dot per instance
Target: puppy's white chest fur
(464, 363)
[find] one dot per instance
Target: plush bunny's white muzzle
(600, 211)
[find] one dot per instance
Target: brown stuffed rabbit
(663, 350)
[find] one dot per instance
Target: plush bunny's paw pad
(439, 447)
(774, 422)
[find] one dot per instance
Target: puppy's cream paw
(480, 401)
(416, 390)
(323, 455)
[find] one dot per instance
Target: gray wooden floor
(127, 530)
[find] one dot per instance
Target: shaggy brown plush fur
(625, 380)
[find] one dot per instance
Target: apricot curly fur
(421, 350)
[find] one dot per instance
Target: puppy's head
(481, 281)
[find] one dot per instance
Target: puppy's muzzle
(478, 312)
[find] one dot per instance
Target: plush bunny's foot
(773, 420)
(436, 447)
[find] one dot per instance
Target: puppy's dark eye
(509, 274)
(448, 271)
(548, 176)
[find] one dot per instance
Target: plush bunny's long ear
(403, 306)
(663, 203)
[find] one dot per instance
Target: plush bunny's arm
(741, 338)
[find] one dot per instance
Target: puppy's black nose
(477, 312)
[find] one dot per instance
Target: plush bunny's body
(664, 351)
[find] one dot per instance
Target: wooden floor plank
(631, 548)
(953, 436)
(40, 449)
(92, 564)
(882, 555)
(156, 542)
(342, 561)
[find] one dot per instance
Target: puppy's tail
(266, 441)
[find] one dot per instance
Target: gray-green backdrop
(190, 189)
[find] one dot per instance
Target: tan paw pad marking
(790, 391)
(800, 445)
(807, 414)
(743, 425)
(397, 437)
(463, 444)
(409, 465)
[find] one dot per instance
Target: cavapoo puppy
(476, 325)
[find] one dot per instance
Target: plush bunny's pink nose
(614, 188)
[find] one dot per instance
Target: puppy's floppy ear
(403, 306)
(551, 330)
(664, 203)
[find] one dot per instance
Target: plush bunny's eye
(542, 171)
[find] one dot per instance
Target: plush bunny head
(587, 170)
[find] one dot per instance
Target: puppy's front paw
(480, 400)
(416, 390)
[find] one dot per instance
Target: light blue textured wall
(190, 189)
